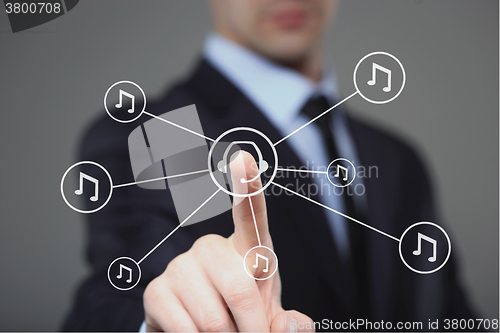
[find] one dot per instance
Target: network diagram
(379, 77)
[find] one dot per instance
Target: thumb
(291, 321)
(243, 171)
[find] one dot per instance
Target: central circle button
(255, 143)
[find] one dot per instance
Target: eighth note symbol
(343, 169)
(120, 103)
(83, 176)
(374, 76)
(257, 256)
(418, 251)
(123, 267)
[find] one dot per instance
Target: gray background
(53, 79)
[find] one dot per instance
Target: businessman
(263, 67)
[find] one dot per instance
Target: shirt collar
(277, 91)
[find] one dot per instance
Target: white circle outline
(212, 171)
(245, 266)
(416, 270)
(400, 89)
(130, 120)
(135, 284)
(328, 174)
(80, 210)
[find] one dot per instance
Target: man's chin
(287, 53)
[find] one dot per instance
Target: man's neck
(309, 65)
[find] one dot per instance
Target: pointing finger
(249, 213)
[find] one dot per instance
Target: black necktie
(313, 108)
(355, 270)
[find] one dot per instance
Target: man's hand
(207, 288)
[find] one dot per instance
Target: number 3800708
(32, 8)
(470, 324)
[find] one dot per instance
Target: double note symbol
(83, 176)
(129, 270)
(373, 81)
(344, 169)
(120, 103)
(257, 256)
(418, 251)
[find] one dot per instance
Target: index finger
(249, 213)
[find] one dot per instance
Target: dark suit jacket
(137, 219)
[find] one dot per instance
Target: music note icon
(257, 256)
(83, 176)
(418, 251)
(123, 267)
(120, 103)
(373, 81)
(343, 169)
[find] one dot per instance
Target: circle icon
(379, 77)
(341, 172)
(124, 273)
(424, 247)
(260, 263)
(86, 187)
(220, 154)
(125, 101)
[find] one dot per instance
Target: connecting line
(315, 118)
(161, 178)
(335, 211)
(180, 225)
(179, 126)
(254, 220)
(299, 170)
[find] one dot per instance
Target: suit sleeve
(130, 225)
